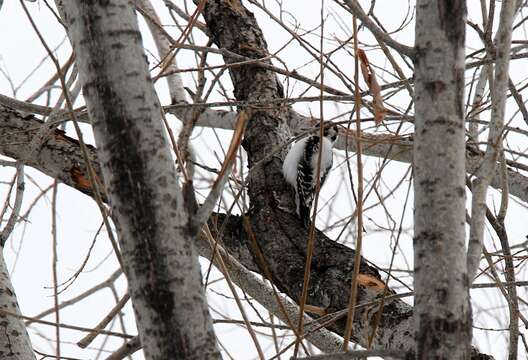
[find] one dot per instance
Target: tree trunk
(14, 339)
(273, 228)
(441, 312)
(161, 262)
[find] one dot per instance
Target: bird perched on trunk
(300, 167)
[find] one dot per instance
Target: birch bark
(14, 339)
(161, 262)
(441, 312)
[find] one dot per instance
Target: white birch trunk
(441, 313)
(14, 339)
(161, 262)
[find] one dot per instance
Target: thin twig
(104, 284)
(311, 234)
(359, 205)
(91, 172)
(65, 326)
(87, 340)
(487, 168)
(54, 260)
(15, 211)
(380, 35)
(205, 210)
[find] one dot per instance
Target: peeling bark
(59, 157)
(161, 262)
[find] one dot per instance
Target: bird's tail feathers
(304, 214)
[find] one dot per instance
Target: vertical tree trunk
(442, 320)
(161, 262)
(14, 339)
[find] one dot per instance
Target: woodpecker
(300, 166)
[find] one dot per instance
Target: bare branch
(486, 170)
(15, 211)
(380, 35)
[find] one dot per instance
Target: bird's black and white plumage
(300, 166)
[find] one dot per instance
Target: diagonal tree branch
(378, 33)
(59, 157)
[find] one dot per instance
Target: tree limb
(378, 33)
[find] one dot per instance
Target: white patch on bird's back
(326, 158)
(290, 167)
(291, 162)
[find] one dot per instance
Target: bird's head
(330, 132)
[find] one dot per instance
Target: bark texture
(161, 262)
(14, 339)
(441, 312)
(488, 165)
(59, 157)
(274, 225)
